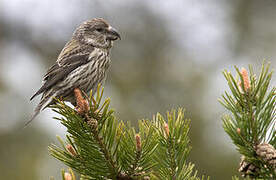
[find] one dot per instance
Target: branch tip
(67, 176)
(245, 78)
(71, 150)
(239, 131)
(138, 142)
(82, 104)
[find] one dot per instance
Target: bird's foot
(82, 104)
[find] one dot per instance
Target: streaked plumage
(82, 64)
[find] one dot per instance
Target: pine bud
(71, 150)
(67, 176)
(245, 78)
(138, 142)
(167, 130)
(82, 104)
(239, 131)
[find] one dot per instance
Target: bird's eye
(99, 29)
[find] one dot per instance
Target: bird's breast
(96, 68)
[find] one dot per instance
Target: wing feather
(65, 64)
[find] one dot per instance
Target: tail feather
(34, 96)
(45, 100)
(37, 93)
(37, 111)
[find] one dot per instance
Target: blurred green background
(171, 55)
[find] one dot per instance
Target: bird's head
(96, 32)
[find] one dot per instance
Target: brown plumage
(82, 64)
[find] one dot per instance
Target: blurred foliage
(22, 153)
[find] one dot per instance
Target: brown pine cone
(247, 169)
(93, 123)
(267, 152)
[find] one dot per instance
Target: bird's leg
(82, 104)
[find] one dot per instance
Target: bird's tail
(44, 102)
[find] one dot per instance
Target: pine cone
(248, 169)
(93, 123)
(268, 153)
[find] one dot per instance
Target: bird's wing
(67, 62)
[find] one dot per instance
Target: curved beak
(113, 34)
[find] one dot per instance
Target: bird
(82, 63)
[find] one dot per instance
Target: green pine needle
(252, 120)
(98, 146)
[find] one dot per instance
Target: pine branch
(137, 150)
(100, 147)
(252, 119)
(172, 152)
(104, 150)
(94, 148)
